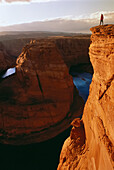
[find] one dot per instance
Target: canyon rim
(42, 84)
(91, 142)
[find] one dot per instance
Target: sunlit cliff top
(103, 29)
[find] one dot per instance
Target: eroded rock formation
(97, 151)
(40, 100)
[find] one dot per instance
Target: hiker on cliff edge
(101, 19)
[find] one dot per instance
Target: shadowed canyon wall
(14, 46)
(91, 142)
(73, 49)
(6, 61)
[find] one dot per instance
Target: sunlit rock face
(6, 61)
(39, 101)
(97, 152)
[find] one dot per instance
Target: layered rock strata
(73, 49)
(39, 101)
(97, 151)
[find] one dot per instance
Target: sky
(80, 14)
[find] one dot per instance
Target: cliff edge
(91, 142)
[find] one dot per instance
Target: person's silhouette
(101, 19)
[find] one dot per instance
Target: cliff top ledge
(103, 29)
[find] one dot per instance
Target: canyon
(40, 101)
(91, 141)
(40, 97)
(73, 47)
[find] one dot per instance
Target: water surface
(9, 72)
(82, 82)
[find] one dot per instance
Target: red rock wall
(39, 101)
(14, 46)
(73, 49)
(97, 152)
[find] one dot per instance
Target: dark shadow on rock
(80, 68)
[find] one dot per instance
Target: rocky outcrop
(6, 61)
(97, 151)
(73, 147)
(40, 97)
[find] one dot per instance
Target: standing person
(101, 20)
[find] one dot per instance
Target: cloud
(110, 16)
(107, 14)
(95, 17)
(65, 24)
(58, 25)
(92, 18)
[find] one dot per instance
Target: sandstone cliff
(96, 152)
(39, 101)
(74, 49)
